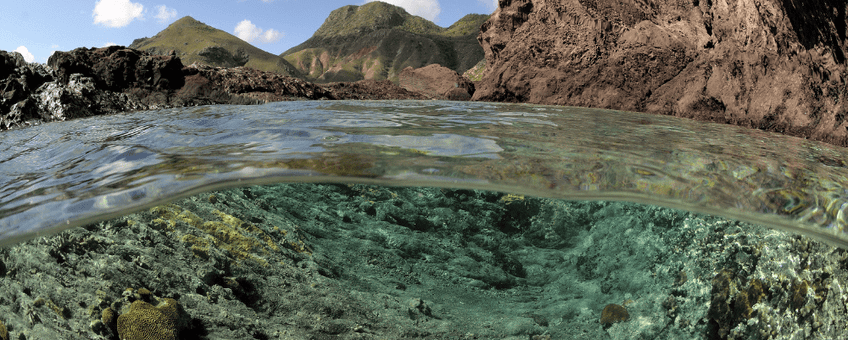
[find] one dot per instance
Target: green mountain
(194, 41)
(378, 40)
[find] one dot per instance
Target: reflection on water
(60, 175)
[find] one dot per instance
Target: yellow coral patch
(108, 317)
(511, 198)
(4, 334)
(146, 322)
(242, 240)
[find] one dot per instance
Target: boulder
(242, 85)
(81, 98)
(115, 68)
(369, 89)
(776, 65)
(19, 81)
(9, 63)
(18, 75)
(436, 82)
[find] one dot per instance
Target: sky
(37, 28)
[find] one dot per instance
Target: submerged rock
(613, 313)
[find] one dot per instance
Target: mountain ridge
(353, 19)
(378, 40)
(211, 46)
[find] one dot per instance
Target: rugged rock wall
(87, 82)
(18, 81)
(777, 65)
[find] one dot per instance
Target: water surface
(60, 175)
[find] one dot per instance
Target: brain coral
(146, 322)
(613, 313)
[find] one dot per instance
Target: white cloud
(427, 9)
(271, 36)
(109, 44)
(116, 13)
(247, 31)
(165, 14)
(491, 4)
(25, 52)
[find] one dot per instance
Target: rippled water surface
(66, 174)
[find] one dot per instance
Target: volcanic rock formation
(87, 82)
(777, 65)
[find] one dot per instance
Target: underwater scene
(418, 220)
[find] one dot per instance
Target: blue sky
(36, 28)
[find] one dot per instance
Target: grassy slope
(384, 39)
(476, 73)
(188, 36)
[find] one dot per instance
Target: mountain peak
(186, 21)
(379, 40)
(188, 24)
(376, 15)
(194, 41)
(186, 18)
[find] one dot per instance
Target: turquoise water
(57, 176)
(422, 220)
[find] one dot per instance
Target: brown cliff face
(777, 65)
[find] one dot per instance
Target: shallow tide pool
(420, 219)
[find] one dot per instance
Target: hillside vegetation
(378, 40)
(194, 41)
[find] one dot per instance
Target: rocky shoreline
(756, 64)
(89, 82)
(772, 65)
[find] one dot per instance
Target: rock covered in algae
(374, 249)
(147, 322)
(109, 319)
(614, 313)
